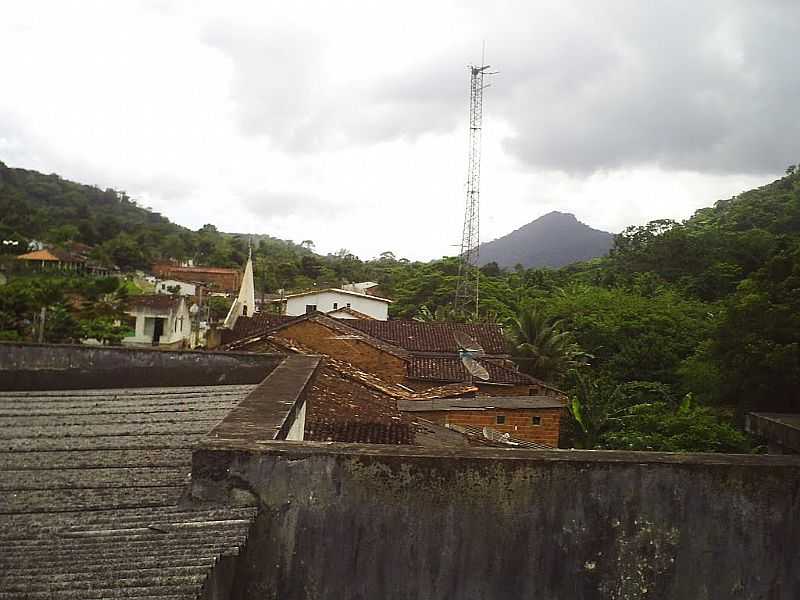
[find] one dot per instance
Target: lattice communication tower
(467, 294)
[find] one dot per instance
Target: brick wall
(360, 354)
(518, 422)
(224, 280)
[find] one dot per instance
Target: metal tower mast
(468, 273)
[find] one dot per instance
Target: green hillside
(682, 327)
(54, 210)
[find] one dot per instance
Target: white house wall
(174, 331)
(184, 288)
(324, 301)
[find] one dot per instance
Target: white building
(332, 299)
(185, 288)
(161, 320)
(245, 303)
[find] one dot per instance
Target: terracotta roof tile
(450, 368)
(247, 326)
(359, 432)
(417, 336)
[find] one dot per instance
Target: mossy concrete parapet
(355, 521)
(70, 367)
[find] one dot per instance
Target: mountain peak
(555, 239)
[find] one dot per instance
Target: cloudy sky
(346, 122)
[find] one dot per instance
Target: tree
(542, 347)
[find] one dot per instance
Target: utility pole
(467, 287)
(42, 317)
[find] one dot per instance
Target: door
(158, 330)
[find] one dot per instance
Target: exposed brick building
(218, 278)
(536, 418)
(421, 356)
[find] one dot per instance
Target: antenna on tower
(467, 290)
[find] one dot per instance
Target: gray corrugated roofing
(90, 483)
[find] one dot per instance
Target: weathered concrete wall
(358, 522)
(63, 367)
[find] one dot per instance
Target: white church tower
(245, 303)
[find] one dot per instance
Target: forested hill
(51, 209)
(554, 240)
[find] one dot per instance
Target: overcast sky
(346, 122)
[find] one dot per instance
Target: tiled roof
(481, 402)
(359, 432)
(52, 255)
(247, 326)
(417, 336)
(219, 270)
(349, 311)
(450, 368)
(343, 409)
(91, 493)
(155, 301)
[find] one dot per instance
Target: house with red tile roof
(422, 356)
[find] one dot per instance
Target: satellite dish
(474, 368)
(468, 344)
(468, 351)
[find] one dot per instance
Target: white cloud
(345, 122)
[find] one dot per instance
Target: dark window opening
(501, 419)
(244, 310)
(536, 420)
(335, 305)
(310, 308)
(348, 305)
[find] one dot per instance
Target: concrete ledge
(356, 521)
(782, 431)
(68, 367)
(275, 410)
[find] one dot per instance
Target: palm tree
(543, 349)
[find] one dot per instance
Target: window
(163, 286)
(244, 310)
(310, 308)
(536, 420)
(348, 305)
(501, 419)
(335, 305)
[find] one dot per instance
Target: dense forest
(664, 344)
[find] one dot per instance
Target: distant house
(74, 259)
(184, 288)
(219, 278)
(161, 320)
(334, 299)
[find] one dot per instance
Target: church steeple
(245, 303)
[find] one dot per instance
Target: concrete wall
(358, 522)
(55, 366)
